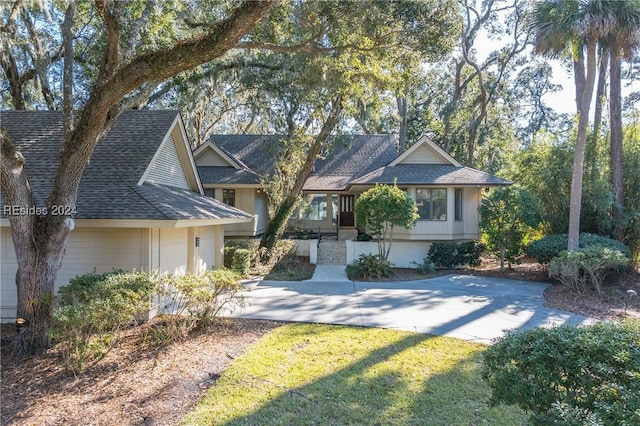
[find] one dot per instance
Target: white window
(313, 207)
(432, 203)
(458, 204)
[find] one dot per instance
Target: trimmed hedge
(452, 254)
(568, 375)
(551, 246)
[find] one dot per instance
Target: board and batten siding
(209, 157)
(424, 155)
(88, 250)
(166, 168)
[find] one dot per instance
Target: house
(448, 194)
(140, 202)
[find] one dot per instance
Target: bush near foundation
(452, 254)
(370, 266)
(568, 375)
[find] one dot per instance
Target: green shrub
(241, 262)
(632, 238)
(190, 301)
(550, 246)
(92, 309)
(370, 266)
(228, 253)
(230, 248)
(426, 267)
(452, 254)
(577, 269)
(568, 375)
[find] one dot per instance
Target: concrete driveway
(466, 307)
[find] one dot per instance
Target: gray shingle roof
(348, 157)
(352, 160)
(429, 174)
(227, 175)
(108, 189)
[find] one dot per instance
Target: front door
(347, 216)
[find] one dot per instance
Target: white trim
(208, 144)
(425, 140)
(187, 151)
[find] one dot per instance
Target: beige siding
(245, 201)
(208, 157)
(172, 248)
(209, 247)
(167, 168)
(424, 155)
(88, 250)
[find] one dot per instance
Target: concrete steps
(332, 253)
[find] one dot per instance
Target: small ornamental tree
(508, 216)
(382, 208)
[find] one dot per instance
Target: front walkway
(466, 307)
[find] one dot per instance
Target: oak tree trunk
(278, 223)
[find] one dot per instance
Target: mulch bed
(136, 384)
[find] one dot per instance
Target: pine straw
(133, 385)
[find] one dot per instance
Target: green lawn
(306, 374)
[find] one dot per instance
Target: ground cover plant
(322, 374)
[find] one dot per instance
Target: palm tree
(558, 25)
(622, 38)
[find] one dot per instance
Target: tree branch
(101, 110)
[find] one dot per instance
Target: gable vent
(167, 168)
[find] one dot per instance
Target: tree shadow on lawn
(385, 386)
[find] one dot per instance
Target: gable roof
(351, 160)
(347, 157)
(431, 154)
(113, 184)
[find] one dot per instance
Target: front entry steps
(332, 253)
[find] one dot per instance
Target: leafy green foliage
(568, 375)
(91, 310)
(380, 209)
(551, 246)
(196, 299)
(452, 254)
(370, 266)
(241, 261)
(508, 218)
(426, 267)
(632, 238)
(579, 268)
(94, 308)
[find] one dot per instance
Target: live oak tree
(120, 71)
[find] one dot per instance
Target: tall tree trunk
(579, 78)
(592, 147)
(278, 222)
(402, 132)
(578, 158)
(617, 162)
